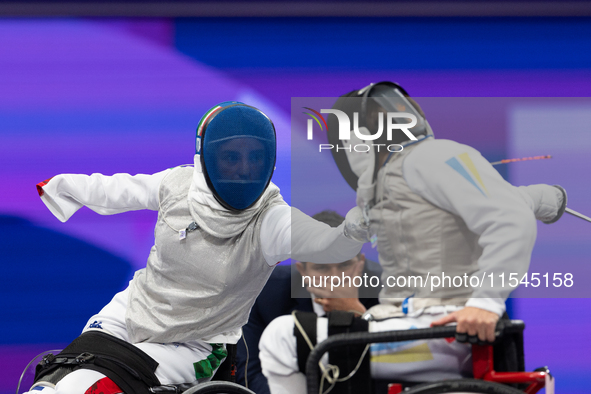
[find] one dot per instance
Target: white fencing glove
(547, 202)
(356, 226)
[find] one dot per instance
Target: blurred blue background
(84, 95)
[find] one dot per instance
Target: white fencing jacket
(203, 286)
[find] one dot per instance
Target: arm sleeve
(289, 233)
(458, 179)
(65, 194)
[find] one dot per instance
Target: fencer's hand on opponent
(357, 225)
(475, 322)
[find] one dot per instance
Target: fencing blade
(579, 215)
(505, 161)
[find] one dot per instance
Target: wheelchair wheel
(463, 386)
(218, 387)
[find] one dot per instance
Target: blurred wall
(87, 95)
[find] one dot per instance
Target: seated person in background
(284, 293)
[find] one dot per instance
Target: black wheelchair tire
(463, 386)
(218, 387)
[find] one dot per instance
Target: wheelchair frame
(482, 356)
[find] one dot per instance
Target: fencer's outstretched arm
(285, 232)
(289, 233)
(107, 195)
(456, 178)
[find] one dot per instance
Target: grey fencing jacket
(203, 286)
(441, 212)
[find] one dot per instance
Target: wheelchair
(485, 361)
(223, 381)
(486, 380)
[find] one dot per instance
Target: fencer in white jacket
(222, 226)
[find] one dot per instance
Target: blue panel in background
(52, 283)
(387, 43)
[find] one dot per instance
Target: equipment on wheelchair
(127, 366)
(488, 360)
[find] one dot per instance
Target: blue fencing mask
(237, 145)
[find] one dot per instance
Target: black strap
(347, 357)
(127, 366)
(341, 321)
(308, 322)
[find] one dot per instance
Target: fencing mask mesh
(237, 145)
